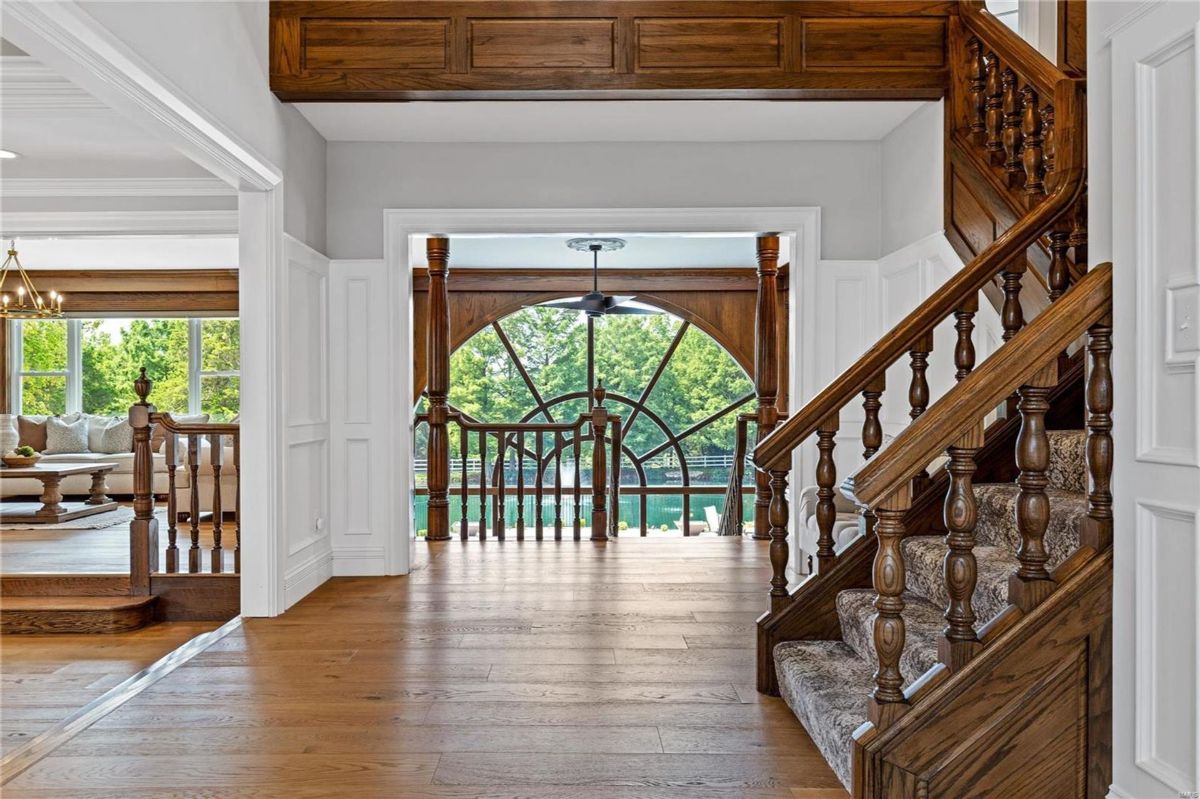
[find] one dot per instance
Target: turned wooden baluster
(1012, 317)
(1098, 525)
(463, 482)
(1059, 277)
(1032, 156)
(216, 453)
(1011, 135)
(826, 480)
(960, 642)
(614, 516)
(170, 445)
(964, 346)
(872, 430)
(499, 502)
(483, 492)
(1049, 146)
(1078, 239)
(237, 504)
(778, 549)
(1032, 583)
(994, 110)
(193, 457)
(577, 494)
(887, 701)
(918, 391)
(599, 424)
(559, 444)
(977, 78)
(538, 491)
(521, 485)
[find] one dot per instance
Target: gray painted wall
(843, 178)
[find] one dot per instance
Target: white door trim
(801, 225)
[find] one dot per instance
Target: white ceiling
(610, 121)
(59, 130)
(656, 251)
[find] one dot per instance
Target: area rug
(112, 518)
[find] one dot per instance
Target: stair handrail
(970, 399)
(774, 451)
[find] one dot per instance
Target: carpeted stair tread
(1068, 460)
(997, 525)
(826, 685)
(923, 559)
(923, 623)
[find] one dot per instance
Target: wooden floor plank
(561, 671)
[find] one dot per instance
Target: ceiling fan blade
(573, 303)
(609, 302)
(630, 310)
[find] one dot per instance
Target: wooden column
(1011, 135)
(964, 346)
(778, 550)
(766, 368)
(437, 350)
(826, 480)
(977, 72)
(143, 530)
(1032, 157)
(1098, 525)
(600, 469)
(872, 430)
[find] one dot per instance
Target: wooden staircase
(961, 645)
(75, 614)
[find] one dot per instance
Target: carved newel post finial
(599, 393)
(142, 386)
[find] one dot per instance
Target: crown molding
(30, 86)
(23, 224)
(116, 187)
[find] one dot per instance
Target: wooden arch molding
(720, 302)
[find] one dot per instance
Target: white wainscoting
(306, 506)
(365, 421)
(1153, 214)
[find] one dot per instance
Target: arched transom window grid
(629, 408)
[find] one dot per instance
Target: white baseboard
(306, 577)
(1116, 793)
(359, 562)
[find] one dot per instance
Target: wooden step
(75, 614)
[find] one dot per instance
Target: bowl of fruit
(21, 457)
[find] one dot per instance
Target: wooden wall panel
(326, 50)
(542, 43)
(375, 43)
(709, 43)
(874, 43)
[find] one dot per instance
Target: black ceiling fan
(595, 303)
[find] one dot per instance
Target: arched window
(677, 391)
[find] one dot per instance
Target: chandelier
(26, 302)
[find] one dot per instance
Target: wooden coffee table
(52, 509)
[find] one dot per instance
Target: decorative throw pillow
(158, 435)
(66, 437)
(116, 435)
(31, 430)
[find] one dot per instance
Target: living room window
(89, 365)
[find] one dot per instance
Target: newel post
(599, 467)
(437, 354)
(766, 368)
(143, 530)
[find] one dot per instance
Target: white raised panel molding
(365, 414)
(306, 510)
(1166, 245)
(1166, 663)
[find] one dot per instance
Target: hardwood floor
(496, 670)
(45, 677)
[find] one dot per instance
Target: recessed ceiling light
(9, 154)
